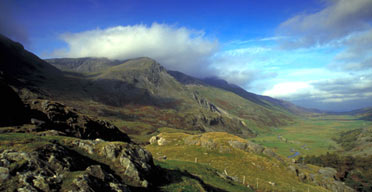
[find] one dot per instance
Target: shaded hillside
(22, 68)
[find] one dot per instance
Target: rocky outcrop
(324, 177)
(133, 163)
(75, 165)
(94, 178)
(205, 103)
(254, 148)
(50, 115)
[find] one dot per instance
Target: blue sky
(316, 54)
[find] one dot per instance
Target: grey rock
(4, 173)
(41, 183)
(96, 171)
(37, 122)
(153, 140)
(327, 172)
(162, 141)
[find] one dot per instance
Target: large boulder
(47, 115)
(134, 164)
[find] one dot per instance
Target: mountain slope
(192, 106)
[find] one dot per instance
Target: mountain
(185, 102)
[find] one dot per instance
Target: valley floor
(313, 136)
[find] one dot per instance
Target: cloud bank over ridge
(177, 48)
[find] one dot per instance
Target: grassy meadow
(312, 136)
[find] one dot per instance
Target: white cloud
(176, 48)
(289, 89)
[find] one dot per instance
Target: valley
(137, 127)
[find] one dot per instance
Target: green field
(311, 136)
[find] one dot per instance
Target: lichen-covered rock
(94, 178)
(52, 163)
(133, 163)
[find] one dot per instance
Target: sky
(314, 53)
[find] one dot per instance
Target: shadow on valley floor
(178, 176)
